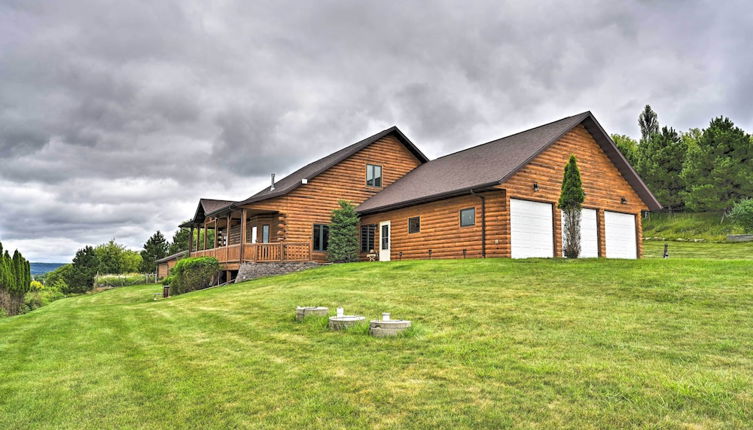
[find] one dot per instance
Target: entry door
(620, 235)
(531, 229)
(589, 236)
(384, 241)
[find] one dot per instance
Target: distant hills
(42, 268)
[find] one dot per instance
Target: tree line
(112, 258)
(708, 169)
(15, 281)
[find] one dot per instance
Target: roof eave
(428, 199)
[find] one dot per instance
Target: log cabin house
(497, 199)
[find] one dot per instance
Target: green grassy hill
(709, 226)
(496, 343)
(709, 250)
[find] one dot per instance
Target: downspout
(483, 223)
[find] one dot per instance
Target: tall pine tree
(717, 170)
(155, 248)
(648, 120)
(180, 241)
(84, 268)
(660, 162)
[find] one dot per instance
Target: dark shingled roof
(205, 207)
(492, 163)
(293, 180)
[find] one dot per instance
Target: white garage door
(589, 236)
(531, 229)
(620, 235)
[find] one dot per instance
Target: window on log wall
(367, 237)
(373, 175)
(321, 237)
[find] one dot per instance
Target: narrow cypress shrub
(15, 281)
(571, 201)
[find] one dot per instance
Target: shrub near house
(191, 274)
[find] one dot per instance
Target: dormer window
(373, 175)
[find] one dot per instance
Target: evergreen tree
(343, 234)
(628, 147)
(3, 269)
(155, 248)
(649, 123)
(82, 272)
(15, 281)
(570, 202)
(660, 162)
(717, 170)
(180, 241)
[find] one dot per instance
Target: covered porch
(235, 236)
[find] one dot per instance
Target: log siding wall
(440, 228)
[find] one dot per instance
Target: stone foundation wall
(250, 271)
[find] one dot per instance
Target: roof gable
(205, 207)
(492, 163)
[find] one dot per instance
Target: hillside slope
(497, 343)
(708, 226)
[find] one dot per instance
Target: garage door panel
(531, 229)
(620, 236)
(589, 236)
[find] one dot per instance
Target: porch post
(227, 233)
(227, 239)
(206, 230)
(190, 241)
(243, 232)
(215, 233)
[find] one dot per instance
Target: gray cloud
(116, 117)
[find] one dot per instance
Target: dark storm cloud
(115, 117)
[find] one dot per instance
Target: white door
(531, 229)
(384, 241)
(620, 235)
(589, 236)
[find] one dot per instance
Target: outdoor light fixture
(623, 201)
(535, 187)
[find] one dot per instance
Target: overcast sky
(115, 117)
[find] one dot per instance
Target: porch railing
(263, 252)
(279, 251)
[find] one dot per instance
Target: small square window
(373, 175)
(414, 224)
(467, 217)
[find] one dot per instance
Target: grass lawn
(709, 226)
(497, 343)
(713, 250)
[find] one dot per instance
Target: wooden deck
(259, 252)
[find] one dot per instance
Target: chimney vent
(272, 187)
